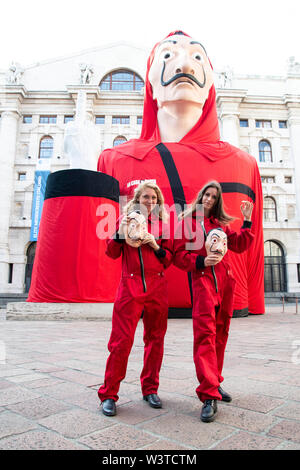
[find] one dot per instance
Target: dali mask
(136, 229)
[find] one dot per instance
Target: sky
(251, 37)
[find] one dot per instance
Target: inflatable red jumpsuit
(142, 289)
(180, 169)
(213, 291)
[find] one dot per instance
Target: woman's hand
(212, 259)
(246, 208)
(150, 239)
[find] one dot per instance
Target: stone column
(293, 105)
(228, 102)
(8, 141)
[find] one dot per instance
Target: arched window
(122, 80)
(275, 268)
(46, 147)
(265, 151)
(119, 140)
(270, 211)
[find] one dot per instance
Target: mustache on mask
(181, 75)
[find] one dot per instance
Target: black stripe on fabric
(173, 175)
(77, 182)
(176, 187)
(238, 188)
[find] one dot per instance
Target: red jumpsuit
(142, 289)
(213, 290)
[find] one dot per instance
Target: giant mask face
(180, 71)
(136, 229)
(216, 242)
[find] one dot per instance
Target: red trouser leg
(204, 327)
(224, 316)
(155, 325)
(126, 314)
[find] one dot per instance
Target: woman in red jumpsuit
(212, 286)
(142, 289)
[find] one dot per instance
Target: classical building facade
(258, 114)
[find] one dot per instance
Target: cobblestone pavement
(50, 372)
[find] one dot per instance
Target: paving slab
(50, 372)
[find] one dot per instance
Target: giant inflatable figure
(180, 148)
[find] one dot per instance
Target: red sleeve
(106, 162)
(255, 254)
(183, 258)
(239, 242)
(165, 253)
(114, 245)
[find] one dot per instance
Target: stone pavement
(50, 372)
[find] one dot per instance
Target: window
(68, 119)
(282, 124)
(275, 267)
(298, 271)
(288, 179)
(46, 147)
(270, 212)
(120, 120)
(100, 120)
(244, 123)
(268, 179)
(263, 123)
(122, 80)
(47, 119)
(10, 273)
(21, 176)
(265, 151)
(27, 119)
(119, 140)
(139, 120)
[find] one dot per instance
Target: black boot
(153, 400)
(109, 407)
(225, 396)
(209, 411)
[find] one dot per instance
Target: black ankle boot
(109, 407)
(209, 411)
(225, 396)
(153, 400)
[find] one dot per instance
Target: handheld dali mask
(216, 242)
(136, 229)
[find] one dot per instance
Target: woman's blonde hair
(217, 211)
(134, 202)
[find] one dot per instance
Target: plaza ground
(50, 372)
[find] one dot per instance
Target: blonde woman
(142, 289)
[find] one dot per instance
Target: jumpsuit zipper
(212, 267)
(142, 269)
(215, 278)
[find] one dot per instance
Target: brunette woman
(212, 284)
(143, 288)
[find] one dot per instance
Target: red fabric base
(70, 263)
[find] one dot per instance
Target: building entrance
(275, 267)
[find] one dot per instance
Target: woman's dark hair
(217, 211)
